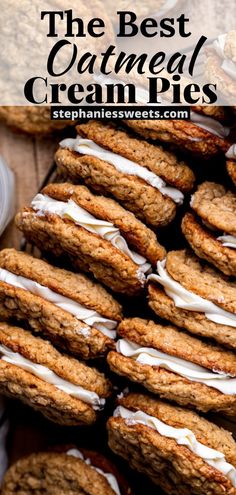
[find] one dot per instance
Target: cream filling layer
(110, 477)
(7, 189)
(209, 124)
(88, 316)
(49, 376)
(123, 165)
(185, 299)
(231, 153)
(44, 204)
(228, 240)
(152, 357)
(228, 66)
(183, 436)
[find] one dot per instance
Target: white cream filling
(228, 240)
(7, 190)
(228, 66)
(110, 477)
(219, 45)
(49, 376)
(209, 124)
(185, 299)
(152, 357)
(231, 153)
(123, 165)
(88, 316)
(44, 204)
(183, 436)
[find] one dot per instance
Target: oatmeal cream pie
(98, 235)
(62, 388)
(202, 134)
(72, 311)
(231, 166)
(213, 235)
(176, 366)
(74, 471)
(146, 179)
(231, 162)
(179, 450)
(194, 296)
(31, 120)
(220, 67)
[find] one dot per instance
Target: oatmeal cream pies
(32, 120)
(220, 67)
(97, 234)
(194, 296)
(146, 179)
(202, 134)
(213, 235)
(176, 366)
(74, 471)
(62, 388)
(231, 166)
(179, 450)
(72, 311)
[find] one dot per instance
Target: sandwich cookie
(231, 162)
(147, 180)
(60, 387)
(213, 235)
(98, 235)
(69, 309)
(194, 296)
(68, 471)
(222, 114)
(180, 451)
(201, 134)
(220, 66)
(31, 120)
(231, 168)
(176, 366)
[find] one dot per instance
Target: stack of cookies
(108, 304)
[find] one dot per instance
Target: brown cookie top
(193, 321)
(216, 75)
(162, 163)
(170, 340)
(215, 205)
(75, 286)
(64, 472)
(201, 279)
(139, 237)
(31, 119)
(87, 251)
(55, 404)
(145, 201)
(42, 352)
(231, 169)
(205, 244)
(206, 432)
(182, 133)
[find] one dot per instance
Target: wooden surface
(30, 160)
